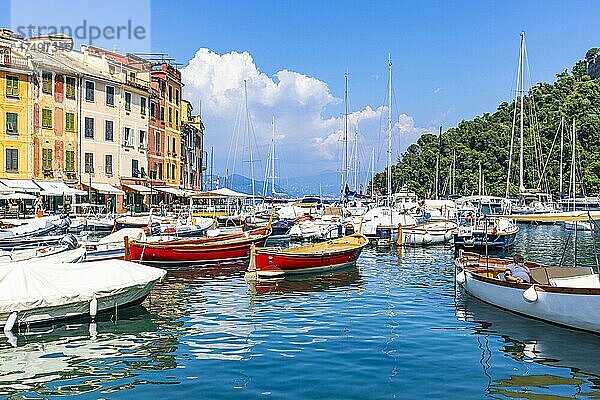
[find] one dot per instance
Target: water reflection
(81, 362)
(572, 355)
(306, 283)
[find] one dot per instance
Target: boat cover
(25, 286)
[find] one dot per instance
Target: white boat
(318, 229)
(435, 232)
(36, 293)
(36, 227)
(383, 222)
(579, 225)
(60, 249)
(568, 296)
(113, 245)
(197, 226)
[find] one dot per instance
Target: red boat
(319, 257)
(228, 248)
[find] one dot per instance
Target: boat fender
(10, 322)
(448, 235)
(427, 238)
(93, 329)
(530, 295)
(461, 277)
(93, 307)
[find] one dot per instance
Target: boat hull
(477, 240)
(577, 309)
(229, 248)
(270, 262)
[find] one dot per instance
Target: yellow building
(15, 105)
(173, 118)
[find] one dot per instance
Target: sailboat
(576, 225)
(530, 201)
(381, 223)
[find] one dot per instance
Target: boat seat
(544, 275)
(583, 281)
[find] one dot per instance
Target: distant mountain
(326, 183)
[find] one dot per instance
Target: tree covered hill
(486, 140)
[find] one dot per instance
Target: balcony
(13, 60)
(137, 82)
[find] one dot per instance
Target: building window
(173, 171)
(177, 96)
(70, 87)
(153, 109)
(89, 163)
(108, 131)
(157, 142)
(70, 122)
(46, 118)
(89, 91)
(127, 137)
(170, 116)
(108, 169)
(135, 170)
(89, 128)
(170, 93)
(47, 82)
(168, 171)
(127, 101)
(177, 119)
(142, 139)
(110, 96)
(47, 159)
(70, 161)
(12, 122)
(143, 105)
(174, 148)
(12, 86)
(12, 160)
(162, 113)
(159, 169)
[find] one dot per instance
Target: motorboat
(112, 246)
(433, 232)
(32, 293)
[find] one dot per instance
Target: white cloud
(308, 142)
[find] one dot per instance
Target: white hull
(573, 310)
(429, 233)
(579, 225)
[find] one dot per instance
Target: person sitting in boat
(517, 271)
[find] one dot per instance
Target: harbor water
(393, 327)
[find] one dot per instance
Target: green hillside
(486, 139)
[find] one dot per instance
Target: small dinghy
(326, 256)
(568, 296)
(435, 232)
(44, 292)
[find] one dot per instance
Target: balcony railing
(137, 82)
(13, 60)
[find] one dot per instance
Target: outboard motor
(70, 240)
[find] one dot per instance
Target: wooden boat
(434, 232)
(325, 256)
(228, 248)
(568, 296)
(41, 292)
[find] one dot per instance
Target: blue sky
(452, 60)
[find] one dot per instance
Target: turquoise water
(390, 328)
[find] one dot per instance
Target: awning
(105, 188)
(57, 188)
(5, 189)
(223, 192)
(21, 185)
(138, 188)
(173, 191)
(17, 196)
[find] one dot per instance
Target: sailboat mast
(345, 174)
(573, 165)
(389, 150)
(373, 172)
(249, 142)
(453, 170)
(273, 160)
(355, 159)
(560, 165)
(521, 151)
